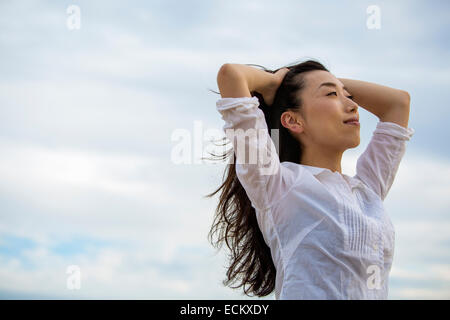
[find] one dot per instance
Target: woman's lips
(353, 123)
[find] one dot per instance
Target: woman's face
(326, 105)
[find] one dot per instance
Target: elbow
(226, 70)
(405, 99)
(232, 82)
(223, 71)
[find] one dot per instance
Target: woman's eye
(350, 97)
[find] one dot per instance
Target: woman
(293, 221)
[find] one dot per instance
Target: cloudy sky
(88, 118)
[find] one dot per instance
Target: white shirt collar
(353, 181)
(317, 170)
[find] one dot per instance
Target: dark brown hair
(235, 221)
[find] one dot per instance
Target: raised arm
(246, 128)
(388, 104)
(377, 166)
(238, 80)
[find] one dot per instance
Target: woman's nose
(353, 106)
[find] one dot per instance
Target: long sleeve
(377, 166)
(264, 179)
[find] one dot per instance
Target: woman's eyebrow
(331, 84)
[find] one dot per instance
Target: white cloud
(114, 274)
(420, 294)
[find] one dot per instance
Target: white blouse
(329, 234)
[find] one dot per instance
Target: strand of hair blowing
(251, 265)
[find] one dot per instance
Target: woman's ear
(292, 122)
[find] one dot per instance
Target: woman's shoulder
(292, 166)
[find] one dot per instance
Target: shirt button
(375, 246)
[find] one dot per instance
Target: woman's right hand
(269, 91)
